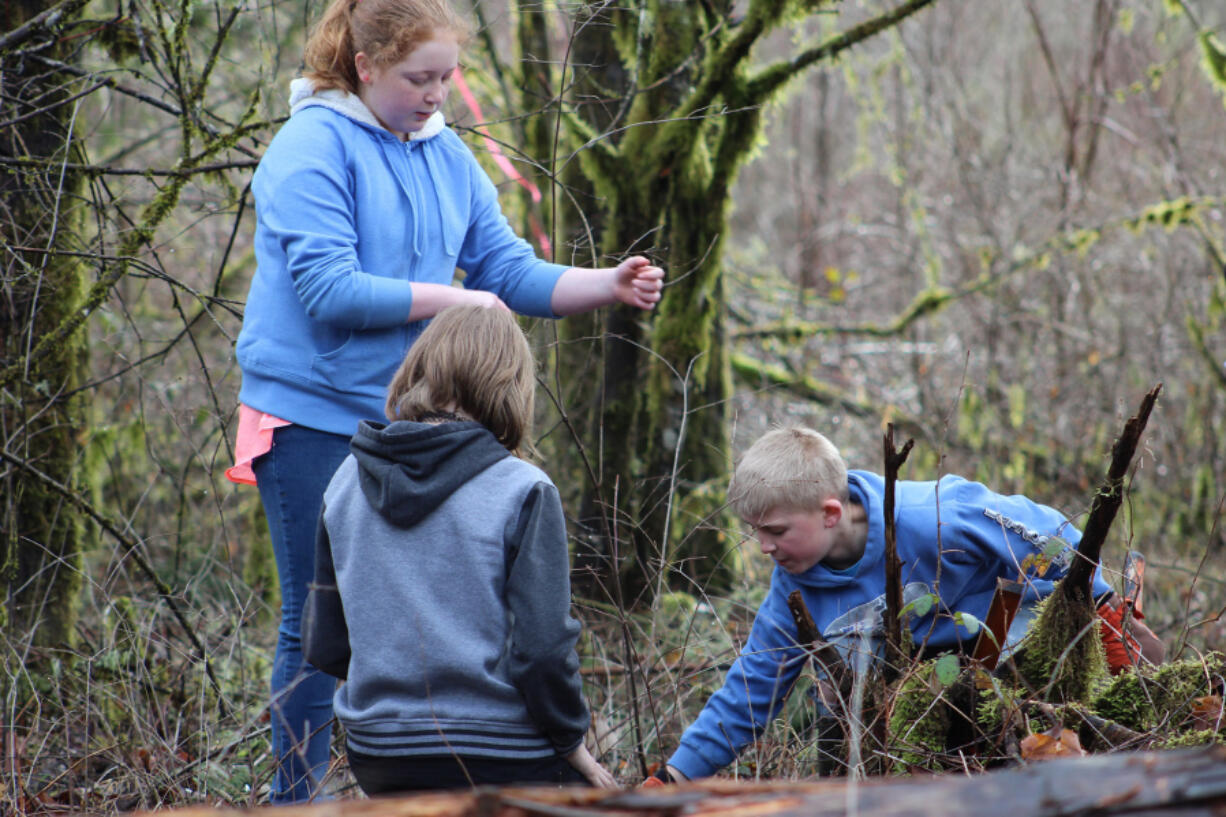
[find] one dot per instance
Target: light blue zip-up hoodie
(347, 216)
(955, 538)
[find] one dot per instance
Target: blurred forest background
(994, 224)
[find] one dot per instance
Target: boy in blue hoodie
(825, 529)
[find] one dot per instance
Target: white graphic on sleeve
(1060, 560)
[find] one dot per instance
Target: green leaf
(1054, 546)
(991, 636)
(968, 621)
(919, 606)
(947, 669)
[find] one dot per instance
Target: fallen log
(1174, 783)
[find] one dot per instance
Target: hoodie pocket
(364, 363)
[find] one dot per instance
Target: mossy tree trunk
(668, 112)
(44, 278)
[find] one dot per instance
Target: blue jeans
(292, 477)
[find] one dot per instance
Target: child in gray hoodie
(442, 589)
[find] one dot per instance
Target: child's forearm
(634, 282)
(431, 299)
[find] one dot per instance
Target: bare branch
(41, 23)
(775, 76)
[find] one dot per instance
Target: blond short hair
(386, 30)
(790, 468)
(472, 359)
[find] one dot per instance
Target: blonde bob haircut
(386, 30)
(473, 360)
(794, 469)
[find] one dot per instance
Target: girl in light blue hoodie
(366, 205)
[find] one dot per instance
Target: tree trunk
(664, 113)
(40, 416)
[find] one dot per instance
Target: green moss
(42, 542)
(1063, 657)
(997, 703)
(1201, 737)
(1167, 214)
(1158, 697)
(1082, 241)
(1126, 702)
(919, 721)
(1214, 53)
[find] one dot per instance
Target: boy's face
(796, 540)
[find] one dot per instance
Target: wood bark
(895, 655)
(824, 655)
(42, 280)
(1106, 502)
(1173, 783)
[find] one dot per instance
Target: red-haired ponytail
(386, 30)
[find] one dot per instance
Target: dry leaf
(1055, 743)
(1206, 712)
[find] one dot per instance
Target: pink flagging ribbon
(504, 164)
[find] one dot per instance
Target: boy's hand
(663, 777)
(637, 283)
(583, 762)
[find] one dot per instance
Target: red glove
(1111, 626)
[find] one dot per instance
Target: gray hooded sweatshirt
(449, 557)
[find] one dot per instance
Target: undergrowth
(132, 717)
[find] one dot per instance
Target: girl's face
(403, 95)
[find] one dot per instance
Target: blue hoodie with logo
(955, 539)
(347, 217)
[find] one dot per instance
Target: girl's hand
(583, 762)
(637, 283)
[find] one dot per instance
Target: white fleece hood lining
(302, 94)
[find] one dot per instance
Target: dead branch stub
(895, 657)
(1106, 502)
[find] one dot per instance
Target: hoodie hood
(406, 469)
(302, 94)
(865, 489)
